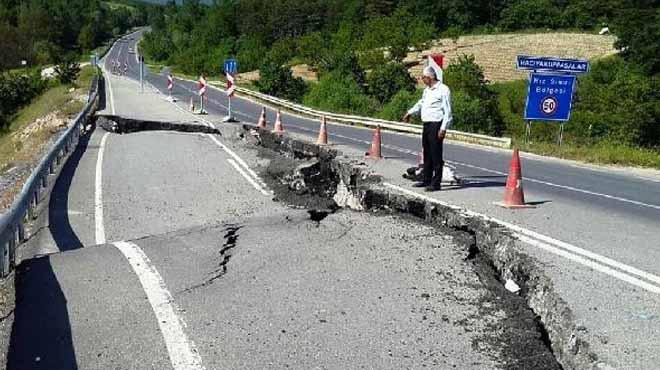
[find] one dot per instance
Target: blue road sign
(549, 97)
(555, 65)
(231, 66)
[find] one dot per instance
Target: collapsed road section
(532, 307)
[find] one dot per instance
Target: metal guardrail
(35, 189)
(501, 142)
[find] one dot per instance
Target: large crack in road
(537, 333)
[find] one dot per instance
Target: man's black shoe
(432, 188)
(420, 184)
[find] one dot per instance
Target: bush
(67, 69)
(388, 79)
(338, 92)
(399, 105)
(473, 114)
(16, 90)
(474, 104)
(279, 81)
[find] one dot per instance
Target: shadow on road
(41, 333)
(58, 215)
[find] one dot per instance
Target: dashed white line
(98, 194)
(576, 254)
(183, 353)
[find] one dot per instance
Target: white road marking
(98, 194)
(239, 160)
(587, 258)
(247, 177)
(183, 353)
(112, 95)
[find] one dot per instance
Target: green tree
(387, 80)
(340, 93)
(638, 31)
(475, 105)
(530, 14)
(277, 80)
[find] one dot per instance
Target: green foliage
(638, 29)
(387, 80)
(399, 105)
(614, 103)
(395, 34)
(251, 52)
(17, 90)
(67, 69)
(474, 104)
(337, 92)
(279, 81)
(38, 31)
(530, 14)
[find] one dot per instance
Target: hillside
(496, 54)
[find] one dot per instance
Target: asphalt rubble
(323, 180)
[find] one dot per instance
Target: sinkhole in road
(124, 125)
(308, 177)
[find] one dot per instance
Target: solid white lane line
(238, 159)
(112, 95)
(98, 194)
(592, 264)
(183, 353)
(558, 247)
(247, 177)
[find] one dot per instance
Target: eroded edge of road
(323, 173)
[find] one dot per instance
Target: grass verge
(602, 153)
(17, 145)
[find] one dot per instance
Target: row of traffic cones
(513, 197)
(279, 127)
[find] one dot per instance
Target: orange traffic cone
(374, 152)
(513, 195)
(262, 119)
(192, 104)
(279, 129)
(323, 133)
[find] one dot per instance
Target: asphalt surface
(225, 277)
(611, 212)
(197, 267)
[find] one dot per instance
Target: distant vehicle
(130, 51)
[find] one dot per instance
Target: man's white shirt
(435, 105)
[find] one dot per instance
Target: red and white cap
(434, 65)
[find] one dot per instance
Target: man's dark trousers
(433, 162)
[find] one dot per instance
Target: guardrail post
(7, 245)
(21, 231)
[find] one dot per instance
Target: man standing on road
(435, 109)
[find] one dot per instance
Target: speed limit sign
(549, 105)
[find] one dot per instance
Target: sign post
(231, 70)
(141, 66)
(550, 89)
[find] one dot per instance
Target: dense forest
(357, 48)
(42, 32)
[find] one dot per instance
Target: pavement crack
(231, 238)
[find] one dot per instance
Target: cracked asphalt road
(254, 283)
